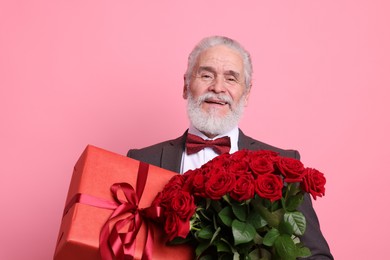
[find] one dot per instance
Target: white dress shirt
(196, 160)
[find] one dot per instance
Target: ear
(247, 94)
(185, 88)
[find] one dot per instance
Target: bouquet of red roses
(241, 206)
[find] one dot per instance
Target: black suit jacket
(168, 155)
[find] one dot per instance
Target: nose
(218, 85)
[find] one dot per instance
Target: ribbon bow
(122, 244)
(120, 241)
(195, 143)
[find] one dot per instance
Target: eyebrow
(207, 68)
(233, 73)
(212, 70)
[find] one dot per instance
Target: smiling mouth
(217, 102)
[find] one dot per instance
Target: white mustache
(220, 97)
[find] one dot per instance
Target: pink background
(74, 73)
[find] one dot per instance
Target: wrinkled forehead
(221, 58)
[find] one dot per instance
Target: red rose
(158, 199)
(244, 188)
(188, 177)
(219, 161)
(171, 188)
(198, 181)
(176, 180)
(167, 196)
(175, 227)
(271, 155)
(219, 183)
(261, 165)
(183, 205)
(241, 155)
(314, 183)
(238, 167)
(175, 183)
(269, 186)
(291, 169)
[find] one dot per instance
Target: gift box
(84, 217)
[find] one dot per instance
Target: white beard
(210, 122)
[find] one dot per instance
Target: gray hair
(212, 41)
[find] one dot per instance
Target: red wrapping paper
(94, 173)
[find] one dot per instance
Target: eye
(231, 79)
(207, 76)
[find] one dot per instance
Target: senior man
(217, 86)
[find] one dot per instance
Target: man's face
(217, 88)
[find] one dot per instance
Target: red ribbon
(119, 244)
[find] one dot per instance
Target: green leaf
(297, 220)
(240, 211)
(258, 240)
(222, 246)
(303, 252)
(242, 232)
(256, 220)
(270, 237)
(205, 233)
(226, 215)
(260, 254)
(286, 248)
(294, 188)
(245, 248)
(293, 202)
(201, 248)
(275, 206)
(285, 228)
(273, 218)
(255, 254)
(267, 203)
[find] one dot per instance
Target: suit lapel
(172, 153)
(245, 142)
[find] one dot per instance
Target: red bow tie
(195, 143)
